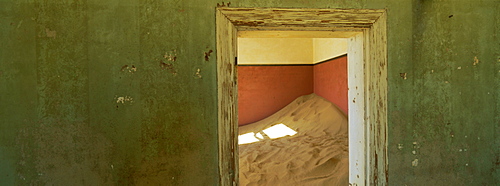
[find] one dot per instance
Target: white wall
(274, 50)
(289, 50)
(327, 48)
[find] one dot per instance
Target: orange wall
(330, 81)
(264, 90)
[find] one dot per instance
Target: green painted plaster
(107, 92)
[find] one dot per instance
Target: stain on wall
(59, 123)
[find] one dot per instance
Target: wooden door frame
(369, 96)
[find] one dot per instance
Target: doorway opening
(292, 106)
(367, 88)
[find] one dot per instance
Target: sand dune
(316, 155)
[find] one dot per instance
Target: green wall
(119, 92)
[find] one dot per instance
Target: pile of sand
(316, 155)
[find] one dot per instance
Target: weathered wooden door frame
(369, 96)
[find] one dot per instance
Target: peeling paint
(125, 99)
(207, 55)
(168, 66)
(476, 61)
(414, 162)
(403, 75)
(198, 73)
(223, 4)
(131, 69)
(171, 58)
(416, 145)
(171, 55)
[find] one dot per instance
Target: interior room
(292, 109)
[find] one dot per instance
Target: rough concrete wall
(124, 92)
(444, 93)
(107, 92)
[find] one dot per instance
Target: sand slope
(316, 155)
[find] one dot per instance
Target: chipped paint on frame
(372, 23)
